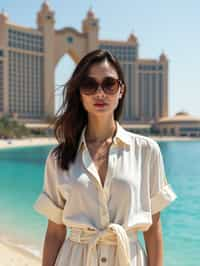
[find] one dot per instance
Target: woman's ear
(121, 92)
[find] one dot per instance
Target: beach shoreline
(12, 143)
(12, 255)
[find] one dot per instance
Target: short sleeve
(50, 202)
(161, 192)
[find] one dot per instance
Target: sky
(171, 26)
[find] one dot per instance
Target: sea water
(21, 181)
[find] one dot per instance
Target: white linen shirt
(135, 188)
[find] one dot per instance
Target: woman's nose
(100, 91)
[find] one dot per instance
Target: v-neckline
(93, 167)
(108, 164)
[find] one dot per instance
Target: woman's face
(101, 103)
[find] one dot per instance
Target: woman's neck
(99, 130)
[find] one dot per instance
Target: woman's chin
(102, 111)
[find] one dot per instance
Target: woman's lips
(99, 104)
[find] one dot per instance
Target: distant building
(182, 124)
(28, 58)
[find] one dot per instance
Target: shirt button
(103, 259)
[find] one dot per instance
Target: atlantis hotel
(28, 58)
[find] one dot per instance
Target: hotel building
(28, 58)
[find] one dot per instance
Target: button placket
(105, 192)
(90, 167)
(103, 259)
(104, 213)
(111, 171)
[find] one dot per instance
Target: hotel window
(172, 131)
(25, 41)
(70, 39)
(49, 17)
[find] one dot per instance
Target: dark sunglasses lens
(110, 85)
(89, 86)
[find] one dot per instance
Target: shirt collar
(121, 136)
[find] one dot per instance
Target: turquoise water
(21, 180)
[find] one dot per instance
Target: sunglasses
(109, 85)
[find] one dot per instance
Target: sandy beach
(11, 143)
(13, 256)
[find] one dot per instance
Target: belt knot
(114, 234)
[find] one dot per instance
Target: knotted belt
(114, 234)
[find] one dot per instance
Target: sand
(11, 143)
(52, 141)
(13, 256)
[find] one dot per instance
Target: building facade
(28, 58)
(181, 124)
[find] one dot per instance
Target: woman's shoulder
(52, 160)
(52, 155)
(141, 140)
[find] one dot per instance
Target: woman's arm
(154, 242)
(55, 236)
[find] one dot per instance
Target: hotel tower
(28, 58)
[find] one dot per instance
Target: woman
(102, 183)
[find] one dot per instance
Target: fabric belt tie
(114, 234)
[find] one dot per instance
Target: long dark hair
(71, 116)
